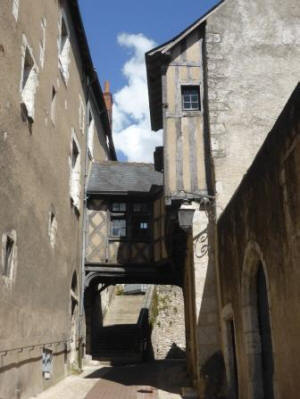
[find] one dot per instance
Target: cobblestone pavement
(153, 380)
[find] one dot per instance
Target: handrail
(35, 346)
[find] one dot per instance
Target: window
(75, 173)
(118, 207)
(118, 227)
(118, 219)
(29, 81)
(91, 129)
(130, 220)
(190, 98)
(47, 358)
(64, 50)
(141, 228)
(15, 8)
(81, 115)
(43, 42)
(52, 228)
(140, 207)
(53, 104)
(8, 254)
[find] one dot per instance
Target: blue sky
(119, 32)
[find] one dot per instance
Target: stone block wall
(252, 69)
(259, 231)
(167, 316)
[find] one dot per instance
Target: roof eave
(90, 71)
(159, 55)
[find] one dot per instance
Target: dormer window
(190, 98)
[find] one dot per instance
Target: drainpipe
(84, 229)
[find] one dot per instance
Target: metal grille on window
(190, 98)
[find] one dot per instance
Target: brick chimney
(108, 100)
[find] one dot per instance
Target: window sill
(186, 113)
(126, 239)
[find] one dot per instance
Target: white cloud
(131, 118)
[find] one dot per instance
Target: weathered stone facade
(168, 329)
(253, 52)
(259, 236)
(46, 98)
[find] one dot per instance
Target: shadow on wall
(93, 316)
(175, 352)
(210, 358)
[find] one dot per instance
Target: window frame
(191, 87)
(9, 255)
(64, 48)
(132, 219)
(29, 81)
(75, 172)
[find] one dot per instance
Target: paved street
(153, 380)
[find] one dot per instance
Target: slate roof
(123, 177)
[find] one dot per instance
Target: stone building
(53, 124)
(216, 89)
(259, 268)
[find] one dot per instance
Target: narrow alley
(118, 368)
(153, 380)
(150, 199)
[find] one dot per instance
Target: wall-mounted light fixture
(185, 215)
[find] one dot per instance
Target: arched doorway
(257, 326)
(265, 333)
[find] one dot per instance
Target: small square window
(118, 227)
(141, 229)
(190, 98)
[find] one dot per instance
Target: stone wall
(259, 230)
(42, 110)
(167, 316)
(253, 51)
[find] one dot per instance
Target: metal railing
(4, 352)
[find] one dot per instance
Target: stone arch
(254, 265)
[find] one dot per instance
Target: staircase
(119, 340)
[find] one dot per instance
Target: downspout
(84, 231)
